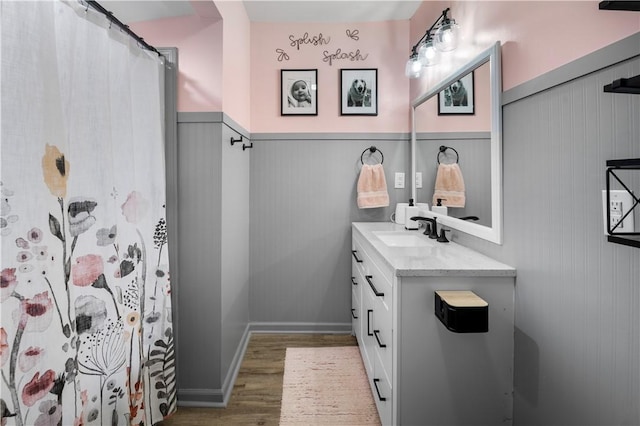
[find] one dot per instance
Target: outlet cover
(399, 180)
(620, 203)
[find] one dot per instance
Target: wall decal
(353, 34)
(320, 39)
(317, 40)
(339, 55)
(282, 55)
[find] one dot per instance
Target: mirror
(479, 153)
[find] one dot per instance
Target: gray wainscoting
(303, 200)
(577, 337)
(213, 253)
(199, 257)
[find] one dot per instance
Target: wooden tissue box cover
(462, 311)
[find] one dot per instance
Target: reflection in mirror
(477, 139)
(474, 160)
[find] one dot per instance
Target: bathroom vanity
(420, 372)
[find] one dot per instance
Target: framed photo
(299, 92)
(359, 91)
(457, 98)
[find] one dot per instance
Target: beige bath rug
(326, 386)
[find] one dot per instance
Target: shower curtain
(86, 335)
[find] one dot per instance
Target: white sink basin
(402, 239)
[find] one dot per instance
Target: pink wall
(536, 37)
(540, 36)
(199, 43)
(231, 65)
(381, 45)
(236, 62)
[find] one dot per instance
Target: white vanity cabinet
(420, 372)
(373, 327)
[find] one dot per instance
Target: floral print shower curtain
(86, 335)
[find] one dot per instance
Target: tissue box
(462, 311)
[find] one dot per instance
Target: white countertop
(433, 259)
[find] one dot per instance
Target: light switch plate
(399, 180)
(418, 179)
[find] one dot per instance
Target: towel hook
(443, 149)
(372, 149)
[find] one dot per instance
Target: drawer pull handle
(375, 291)
(352, 313)
(380, 397)
(375, 333)
(355, 256)
(369, 312)
(353, 281)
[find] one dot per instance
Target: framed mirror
(479, 153)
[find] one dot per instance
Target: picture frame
(458, 99)
(299, 92)
(359, 91)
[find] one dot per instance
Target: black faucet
(442, 238)
(431, 231)
(469, 218)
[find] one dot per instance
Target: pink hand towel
(372, 187)
(449, 186)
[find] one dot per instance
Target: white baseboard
(301, 327)
(217, 398)
(206, 398)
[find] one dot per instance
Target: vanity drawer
(377, 278)
(381, 267)
(375, 258)
(377, 330)
(383, 336)
(382, 392)
(356, 314)
(377, 333)
(357, 257)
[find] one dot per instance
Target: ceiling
(128, 11)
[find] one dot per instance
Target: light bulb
(446, 38)
(413, 69)
(427, 54)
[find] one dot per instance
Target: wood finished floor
(257, 393)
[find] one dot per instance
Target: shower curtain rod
(97, 6)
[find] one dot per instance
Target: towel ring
(443, 149)
(372, 149)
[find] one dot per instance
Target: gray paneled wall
(577, 316)
(235, 202)
(577, 341)
(303, 200)
(213, 251)
(199, 256)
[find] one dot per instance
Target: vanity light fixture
(428, 55)
(442, 36)
(413, 69)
